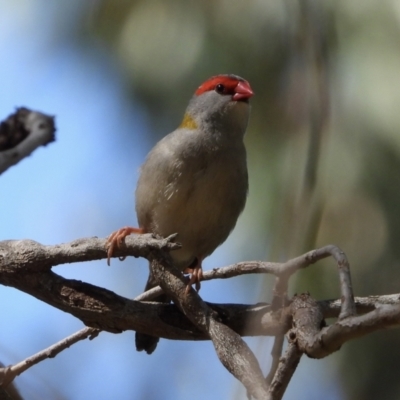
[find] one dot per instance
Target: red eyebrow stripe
(230, 84)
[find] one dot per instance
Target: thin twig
(276, 353)
(8, 374)
(287, 367)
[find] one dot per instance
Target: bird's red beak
(242, 91)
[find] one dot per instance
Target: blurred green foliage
(323, 140)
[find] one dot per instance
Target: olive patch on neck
(188, 122)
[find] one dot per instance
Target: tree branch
(23, 132)
(318, 341)
(232, 351)
(26, 265)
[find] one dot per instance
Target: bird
(194, 182)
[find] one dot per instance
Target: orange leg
(196, 274)
(116, 239)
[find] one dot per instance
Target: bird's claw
(117, 238)
(196, 276)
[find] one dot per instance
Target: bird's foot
(196, 275)
(116, 239)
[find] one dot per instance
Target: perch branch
(26, 265)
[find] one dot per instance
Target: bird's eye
(220, 88)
